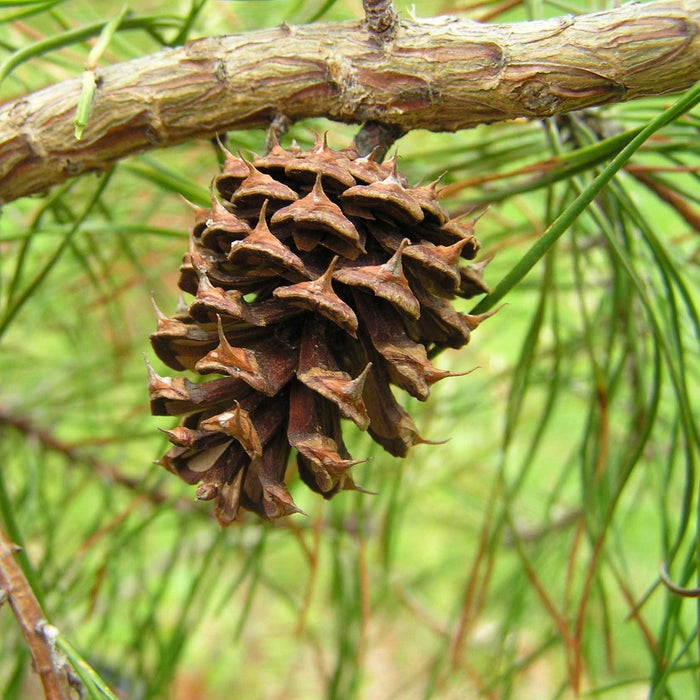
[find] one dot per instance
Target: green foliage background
(519, 559)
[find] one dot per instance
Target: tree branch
(74, 455)
(31, 618)
(440, 74)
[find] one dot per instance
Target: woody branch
(441, 74)
(31, 619)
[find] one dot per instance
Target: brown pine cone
(319, 279)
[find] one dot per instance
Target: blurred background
(519, 559)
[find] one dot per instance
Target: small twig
(668, 195)
(563, 522)
(278, 128)
(420, 611)
(674, 588)
(73, 454)
(382, 19)
(378, 138)
(31, 619)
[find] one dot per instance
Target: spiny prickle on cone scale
(319, 279)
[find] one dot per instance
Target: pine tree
(318, 182)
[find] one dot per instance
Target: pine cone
(319, 279)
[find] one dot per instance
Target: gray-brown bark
(440, 74)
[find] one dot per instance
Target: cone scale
(319, 279)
